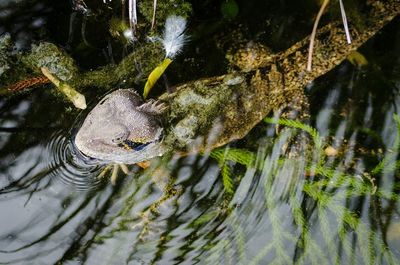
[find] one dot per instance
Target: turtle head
(121, 128)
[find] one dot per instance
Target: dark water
(319, 210)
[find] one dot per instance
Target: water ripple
(69, 165)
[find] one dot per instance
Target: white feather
(174, 38)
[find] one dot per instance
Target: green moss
(229, 9)
(164, 9)
(133, 69)
(10, 70)
(191, 108)
(143, 60)
(5, 50)
(50, 56)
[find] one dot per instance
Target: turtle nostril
(118, 140)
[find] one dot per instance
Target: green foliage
(164, 9)
(155, 75)
(229, 9)
(227, 178)
(299, 125)
(5, 51)
(241, 156)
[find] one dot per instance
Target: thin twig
(123, 10)
(344, 18)
(153, 21)
(313, 33)
(24, 84)
(132, 15)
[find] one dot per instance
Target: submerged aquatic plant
(236, 155)
(315, 216)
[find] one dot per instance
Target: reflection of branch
(24, 182)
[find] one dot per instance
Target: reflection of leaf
(357, 59)
(327, 229)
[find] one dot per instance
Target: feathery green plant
(226, 155)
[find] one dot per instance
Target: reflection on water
(315, 207)
(311, 209)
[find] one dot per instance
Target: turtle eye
(120, 138)
(117, 140)
(131, 145)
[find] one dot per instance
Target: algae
(53, 58)
(164, 9)
(5, 50)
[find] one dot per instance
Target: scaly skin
(211, 112)
(121, 128)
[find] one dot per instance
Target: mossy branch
(133, 68)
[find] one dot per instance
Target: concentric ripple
(69, 165)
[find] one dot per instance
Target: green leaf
(155, 75)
